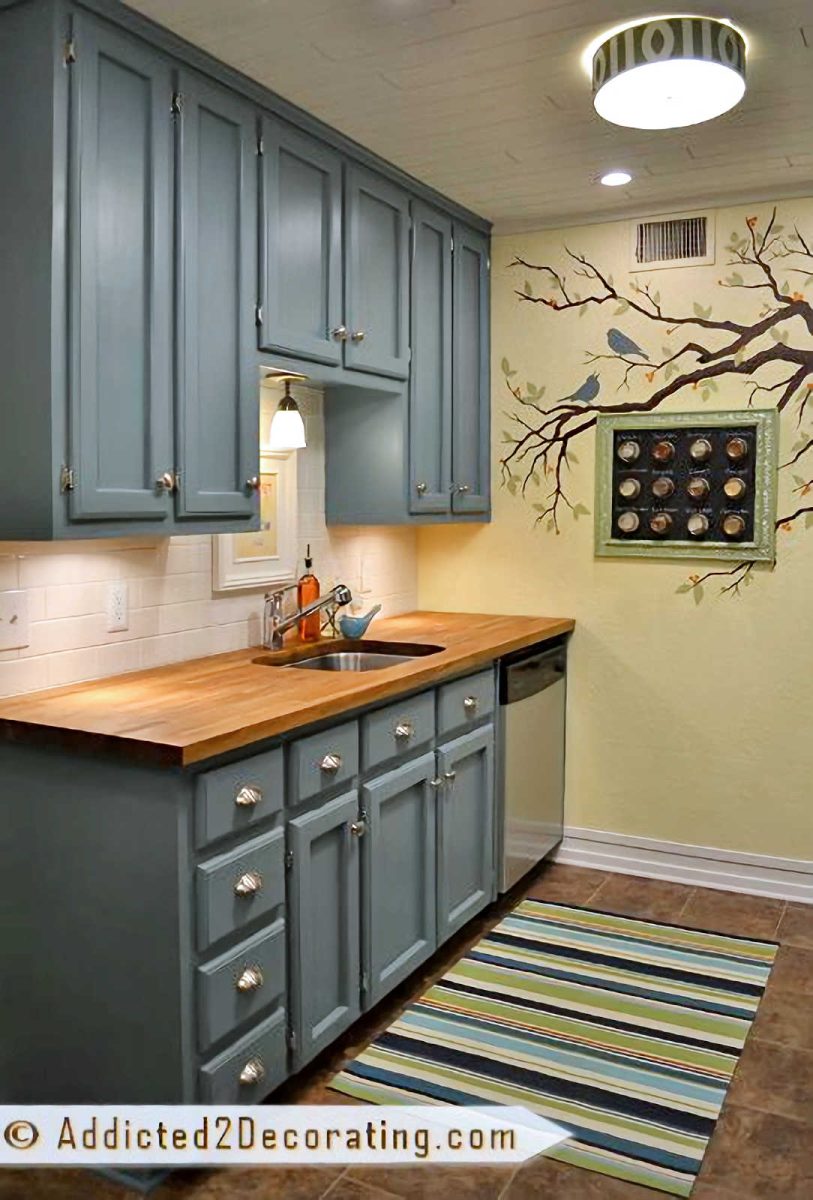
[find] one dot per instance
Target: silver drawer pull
(437, 784)
(470, 704)
(251, 980)
(252, 1072)
(249, 884)
(358, 336)
(404, 730)
(340, 333)
(248, 797)
(331, 763)
(358, 828)
(421, 488)
(450, 776)
(463, 489)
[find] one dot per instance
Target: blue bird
(621, 344)
(586, 392)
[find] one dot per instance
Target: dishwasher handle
(527, 676)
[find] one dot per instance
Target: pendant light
(287, 427)
(668, 72)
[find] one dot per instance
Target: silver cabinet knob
(253, 484)
(358, 335)
(331, 763)
(421, 489)
(470, 704)
(251, 980)
(248, 796)
(450, 776)
(252, 1072)
(358, 828)
(168, 482)
(437, 784)
(404, 730)
(249, 884)
(340, 334)
(462, 489)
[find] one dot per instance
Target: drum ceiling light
(668, 72)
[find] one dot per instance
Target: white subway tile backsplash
(174, 614)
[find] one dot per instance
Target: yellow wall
(691, 722)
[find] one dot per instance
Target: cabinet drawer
(241, 983)
(235, 889)
(248, 1070)
(229, 799)
(323, 761)
(465, 702)
(395, 731)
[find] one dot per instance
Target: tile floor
(762, 1148)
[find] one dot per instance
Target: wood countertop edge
(151, 752)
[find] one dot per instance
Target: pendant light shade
(669, 72)
(287, 427)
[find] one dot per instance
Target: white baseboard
(703, 866)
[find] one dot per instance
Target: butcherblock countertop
(188, 712)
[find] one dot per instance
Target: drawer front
(250, 1069)
(235, 889)
(240, 984)
(233, 798)
(323, 760)
(396, 731)
(466, 702)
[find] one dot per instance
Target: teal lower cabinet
(323, 900)
(399, 874)
(465, 829)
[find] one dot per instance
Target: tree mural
(696, 351)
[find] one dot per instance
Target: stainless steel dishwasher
(532, 762)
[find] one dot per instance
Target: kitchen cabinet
(471, 393)
(399, 874)
(465, 829)
(324, 882)
(217, 416)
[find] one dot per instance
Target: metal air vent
(675, 241)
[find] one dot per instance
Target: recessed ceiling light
(616, 178)
(668, 72)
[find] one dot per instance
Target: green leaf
(797, 479)
(736, 280)
(550, 527)
(809, 521)
(571, 457)
(506, 367)
(700, 311)
(623, 305)
(540, 507)
(683, 589)
(785, 287)
(580, 510)
(705, 394)
(698, 593)
(512, 486)
(529, 291)
(582, 312)
(535, 479)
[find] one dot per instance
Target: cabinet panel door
(218, 382)
(120, 298)
(471, 406)
(465, 829)
(400, 870)
(325, 924)
(376, 275)
(430, 381)
(301, 252)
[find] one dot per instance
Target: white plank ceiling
(487, 100)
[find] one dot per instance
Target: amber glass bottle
(307, 590)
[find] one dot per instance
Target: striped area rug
(624, 1032)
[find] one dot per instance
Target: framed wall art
(267, 557)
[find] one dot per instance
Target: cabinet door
(325, 924)
(465, 829)
(471, 406)
(120, 291)
(376, 275)
(430, 383)
(399, 872)
(301, 252)
(218, 381)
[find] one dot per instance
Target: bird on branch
(619, 343)
(585, 393)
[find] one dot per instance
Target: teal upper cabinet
(471, 374)
(376, 274)
(120, 294)
(218, 407)
(301, 301)
(430, 382)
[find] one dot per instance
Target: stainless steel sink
(346, 655)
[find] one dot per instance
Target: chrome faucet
(275, 625)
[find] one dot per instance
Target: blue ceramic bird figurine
(621, 344)
(356, 627)
(587, 391)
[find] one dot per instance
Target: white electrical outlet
(13, 620)
(118, 616)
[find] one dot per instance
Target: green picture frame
(762, 548)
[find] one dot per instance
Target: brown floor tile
(348, 1189)
(566, 885)
(792, 971)
(775, 1079)
(544, 1179)
(646, 899)
(731, 912)
(782, 1017)
(759, 1156)
(702, 1191)
(255, 1183)
(58, 1185)
(796, 926)
(436, 1183)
